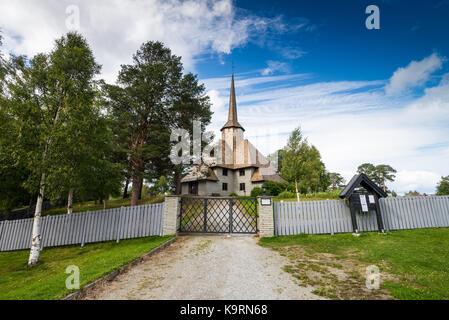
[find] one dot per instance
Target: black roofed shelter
(363, 200)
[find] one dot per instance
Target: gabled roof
(361, 180)
(266, 174)
(201, 172)
(232, 117)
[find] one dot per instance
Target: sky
(358, 94)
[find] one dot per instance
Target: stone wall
(266, 218)
(171, 212)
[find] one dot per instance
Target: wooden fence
(85, 227)
(333, 216)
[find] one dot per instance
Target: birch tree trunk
(296, 187)
(70, 202)
(36, 235)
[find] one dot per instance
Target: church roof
(266, 173)
(201, 172)
(232, 116)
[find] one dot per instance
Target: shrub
(286, 195)
(234, 194)
(256, 192)
(274, 188)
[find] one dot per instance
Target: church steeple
(232, 116)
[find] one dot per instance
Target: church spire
(232, 116)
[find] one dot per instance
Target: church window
(225, 187)
(242, 172)
(242, 187)
(225, 172)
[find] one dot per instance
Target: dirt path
(208, 267)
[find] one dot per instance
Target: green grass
(110, 204)
(329, 195)
(418, 258)
(47, 279)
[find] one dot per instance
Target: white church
(238, 168)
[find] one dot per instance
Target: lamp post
(173, 189)
(264, 187)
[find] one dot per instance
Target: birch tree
(301, 164)
(46, 93)
(294, 158)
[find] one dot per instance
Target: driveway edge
(111, 276)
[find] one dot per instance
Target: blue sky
(360, 95)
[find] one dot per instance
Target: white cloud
(415, 74)
(292, 53)
(274, 66)
(116, 28)
(416, 180)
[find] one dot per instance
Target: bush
(286, 195)
(274, 188)
(233, 194)
(257, 192)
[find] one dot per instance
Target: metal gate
(218, 215)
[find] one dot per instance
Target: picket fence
(333, 216)
(85, 227)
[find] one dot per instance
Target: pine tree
(151, 98)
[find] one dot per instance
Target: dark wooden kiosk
(363, 200)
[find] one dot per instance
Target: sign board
(363, 203)
(371, 199)
(265, 201)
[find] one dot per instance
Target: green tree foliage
(153, 96)
(336, 180)
(274, 188)
(301, 164)
(162, 186)
(380, 174)
(13, 174)
(443, 186)
(57, 134)
(257, 192)
(85, 167)
(412, 193)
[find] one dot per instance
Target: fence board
(333, 216)
(85, 227)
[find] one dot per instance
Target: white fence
(333, 216)
(85, 227)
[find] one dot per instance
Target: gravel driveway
(208, 267)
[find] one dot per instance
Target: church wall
(184, 188)
(246, 179)
(229, 179)
(202, 188)
(228, 135)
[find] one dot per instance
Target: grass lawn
(414, 264)
(110, 204)
(329, 195)
(47, 279)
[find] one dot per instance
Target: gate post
(266, 216)
(171, 214)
